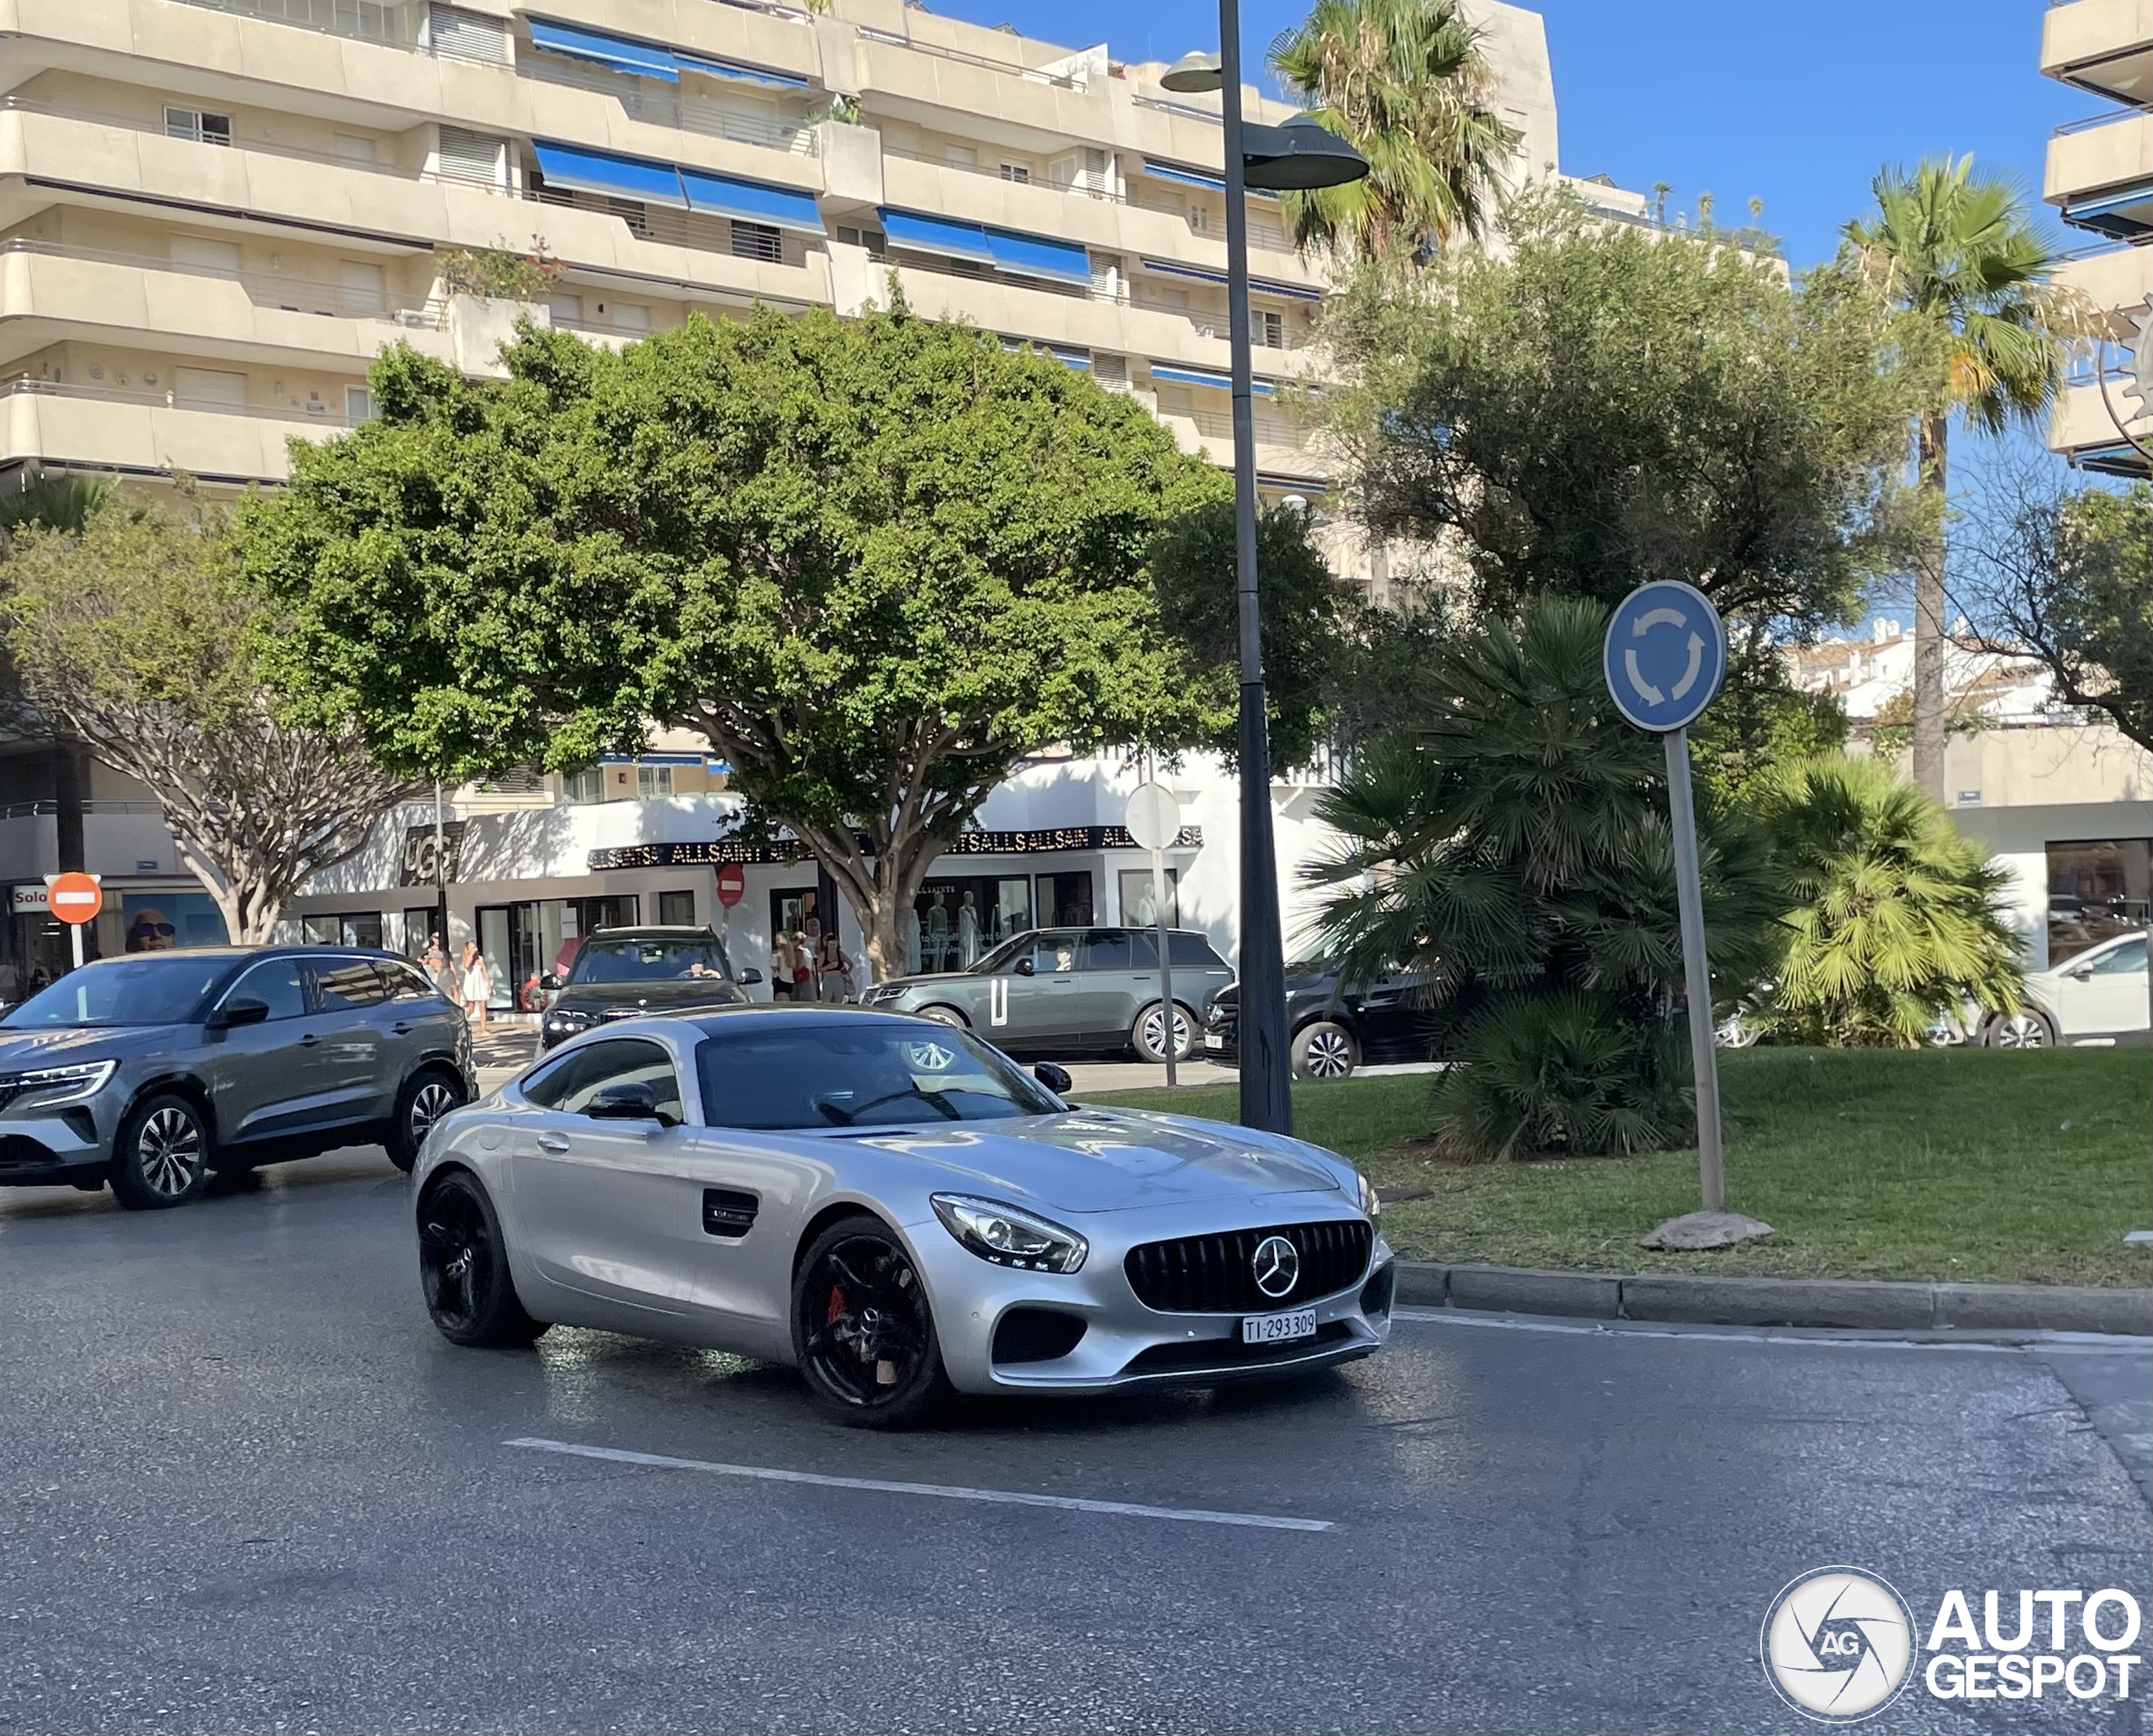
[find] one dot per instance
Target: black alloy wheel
(863, 1331)
(464, 1267)
(162, 1158)
(423, 1101)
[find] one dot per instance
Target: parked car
(1061, 990)
(896, 1210)
(2095, 997)
(150, 1070)
(1333, 1025)
(629, 973)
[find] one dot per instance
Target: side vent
(727, 1213)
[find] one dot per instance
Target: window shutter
(454, 34)
(466, 156)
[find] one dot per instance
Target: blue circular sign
(1666, 656)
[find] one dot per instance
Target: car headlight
(567, 1024)
(49, 1087)
(1006, 1236)
(1371, 1201)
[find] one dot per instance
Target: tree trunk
(68, 779)
(1929, 624)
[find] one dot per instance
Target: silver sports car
(894, 1208)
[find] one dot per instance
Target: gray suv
(152, 1070)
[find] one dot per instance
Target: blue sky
(1798, 105)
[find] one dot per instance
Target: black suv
(626, 973)
(150, 1070)
(1334, 1027)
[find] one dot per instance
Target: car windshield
(661, 961)
(859, 1075)
(164, 990)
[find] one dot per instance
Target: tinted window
(407, 982)
(1195, 952)
(1107, 950)
(1054, 954)
(345, 985)
(142, 990)
(2126, 958)
(570, 1085)
(860, 1075)
(604, 960)
(279, 982)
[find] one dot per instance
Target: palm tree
(1405, 82)
(1961, 257)
(1898, 919)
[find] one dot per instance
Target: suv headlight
(568, 1025)
(49, 1087)
(1371, 1201)
(1006, 1236)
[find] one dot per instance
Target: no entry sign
(75, 897)
(732, 884)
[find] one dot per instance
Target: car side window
(1193, 952)
(1054, 954)
(407, 982)
(346, 985)
(569, 1086)
(2126, 961)
(1107, 950)
(279, 982)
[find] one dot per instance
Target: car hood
(20, 1050)
(665, 993)
(1111, 1160)
(928, 979)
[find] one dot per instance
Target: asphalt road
(249, 1488)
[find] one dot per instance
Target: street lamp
(1297, 157)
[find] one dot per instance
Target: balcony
(2084, 430)
(149, 434)
(2100, 173)
(2105, 46)
(2113, 278)
(658, 103)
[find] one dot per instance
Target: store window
(1140, 902)
(160, 921)
(586, 785)
(421, 923)
(956, 918)
(360, 928)
(654, 783)
(2097, 888)
(676, 909)
(1065, 900)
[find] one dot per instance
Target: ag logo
(1838, 1644)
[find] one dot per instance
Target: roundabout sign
(1665, 655)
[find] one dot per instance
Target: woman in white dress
(477, 983)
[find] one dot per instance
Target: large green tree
(876, 561)
(1959, 257)
(1405, 83)
(135, 636)
(1598, 406)
(1515, 849)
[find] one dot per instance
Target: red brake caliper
(836, 1307)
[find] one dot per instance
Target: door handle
(554, 1141)
(309, 1040)
(402, 1027)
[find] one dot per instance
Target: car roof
(655, 931)
(803, 1016)
(273, 950)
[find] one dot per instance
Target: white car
(2095, 998)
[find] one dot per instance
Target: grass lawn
(1949, 1163)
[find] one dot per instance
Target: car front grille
(1216, 1274)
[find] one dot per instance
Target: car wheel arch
(176, 1084)
(835, 1210)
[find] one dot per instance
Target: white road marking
(1002, 1497)
(2053, 1344)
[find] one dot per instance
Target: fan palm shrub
(1514, 848)
(1898, 918)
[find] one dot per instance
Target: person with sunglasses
(147, 931)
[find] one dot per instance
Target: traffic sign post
(1665, 657)
(1154, 822)
(76, 899)
(732, 886)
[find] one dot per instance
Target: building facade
(2099, 176)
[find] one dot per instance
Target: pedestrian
(434, 961)
(803, 943)
(782, 963)
(477, 984)
(834, 969)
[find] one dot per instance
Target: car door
(350, 997)
(1029, 1008)
(419, 1021)
(2104, 996)
(1387, 1015)
(269, 1080)
(605, 1207)
(1118, 972)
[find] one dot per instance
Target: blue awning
(712, 68)
(1260, 286)
(1029, 257)
(2125, 215)
(623, 55)
(780, 207)
(936, 235)
(1204, 377)
(598, 171)
(1080, 359)
(1187, 178)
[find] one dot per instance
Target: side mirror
(632, 1100)
(2081, 976)
(1025, 967)
(549, 982)
(1056, 1078)
(748, 977)
(243, 1010)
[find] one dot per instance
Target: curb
(1858, 1303)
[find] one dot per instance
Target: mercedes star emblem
(1278, 1265)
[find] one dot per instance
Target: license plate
(1212, 1039)
(1278, 1328)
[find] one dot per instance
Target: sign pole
(1696, 970)
(1166, 960)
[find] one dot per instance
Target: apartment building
(214, 213)
(2099, 176)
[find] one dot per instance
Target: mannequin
(938, 935)
(968, 933)
(911, 943)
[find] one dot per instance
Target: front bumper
(1125, 1343)
(43, 1151)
